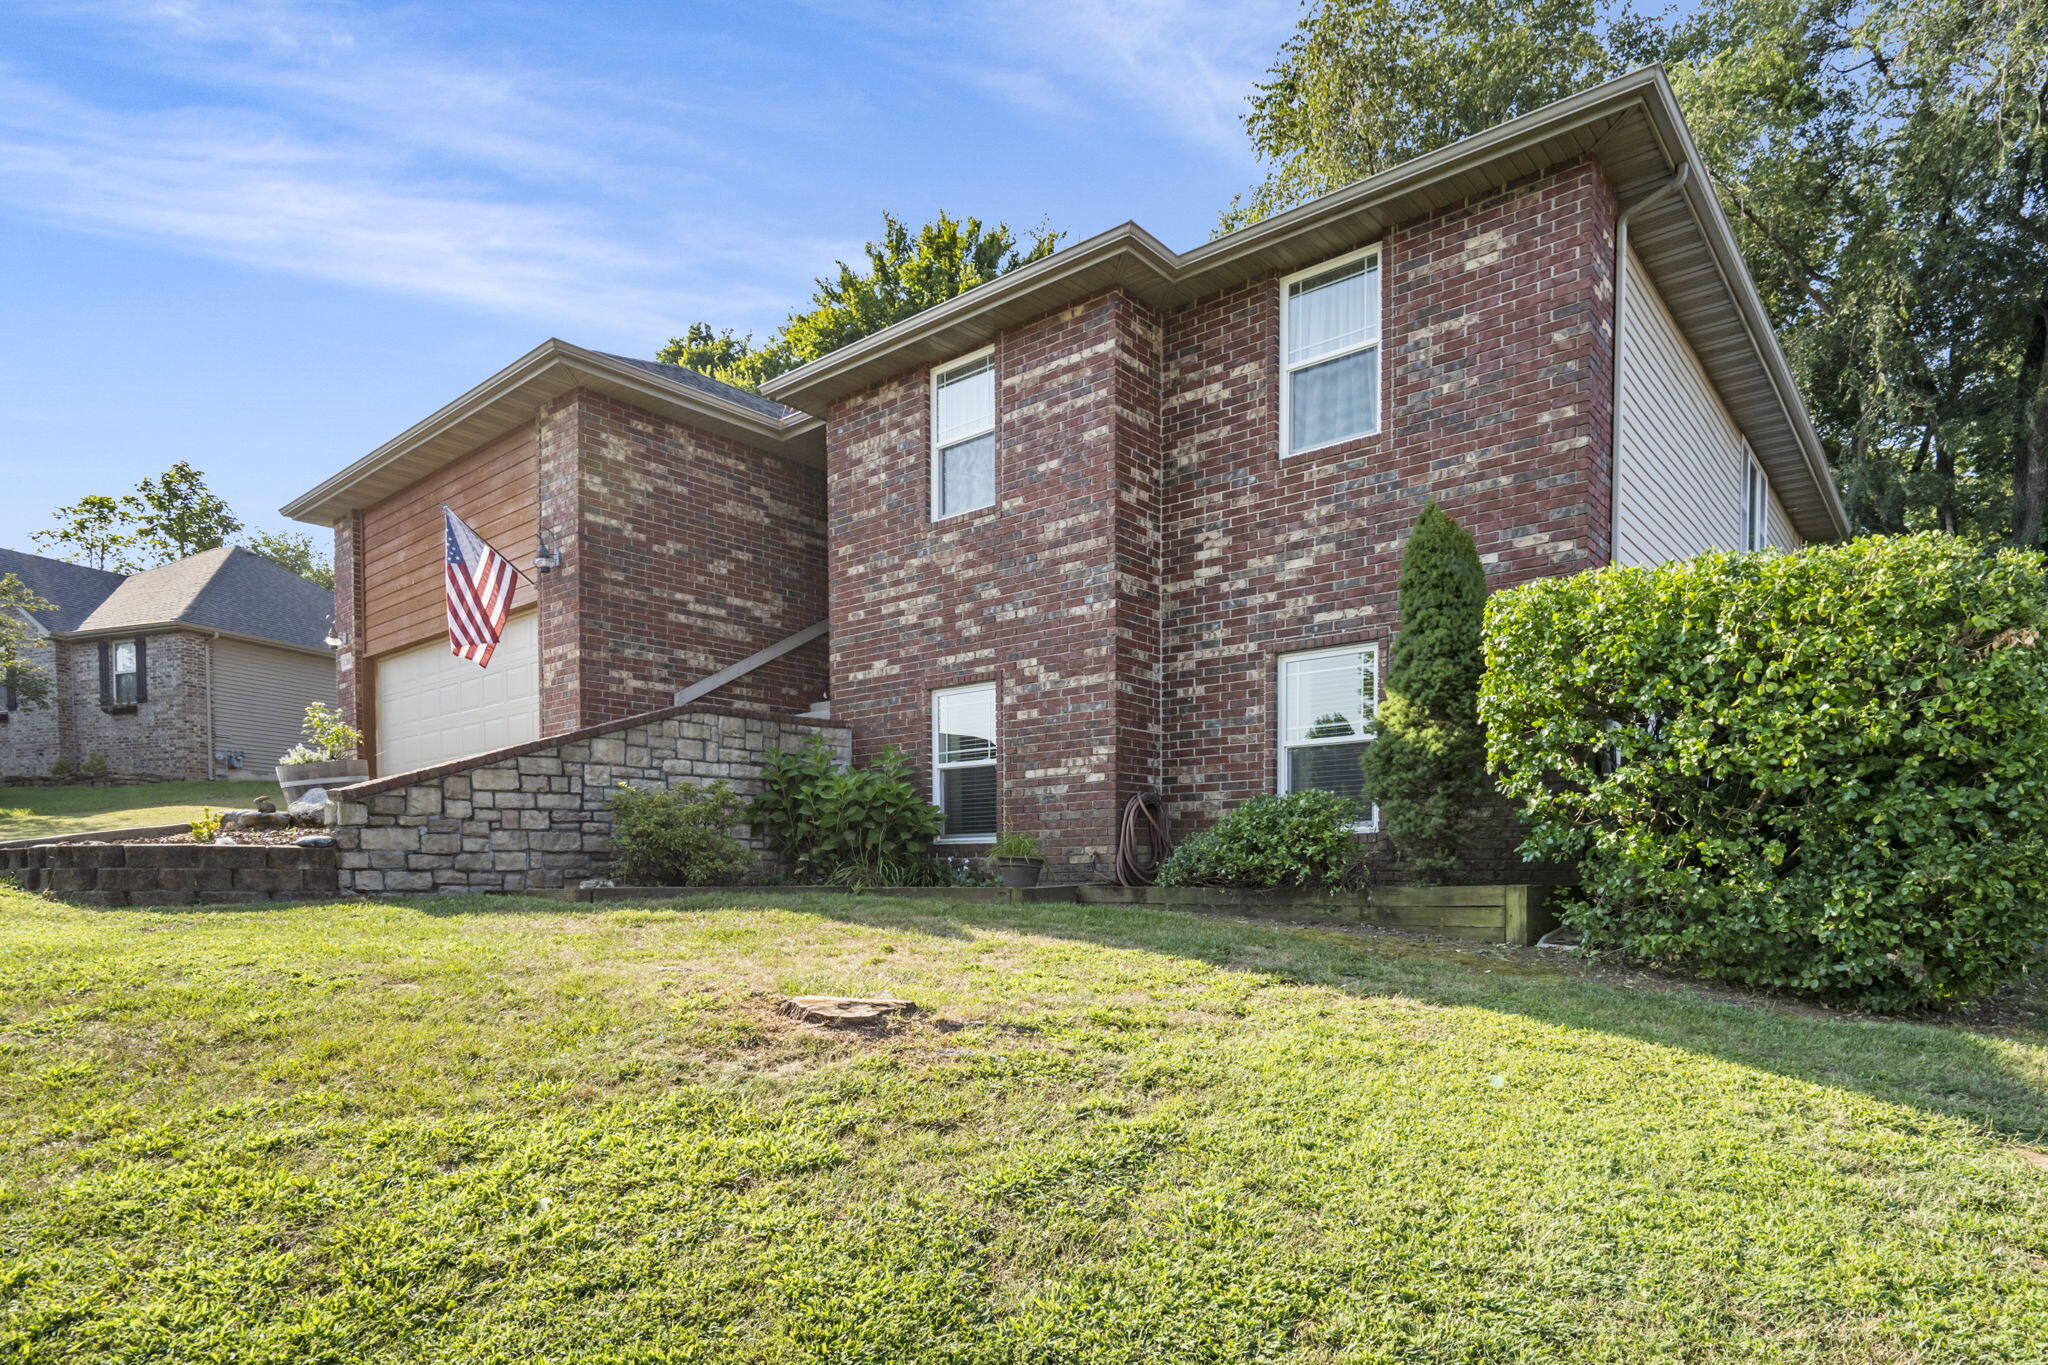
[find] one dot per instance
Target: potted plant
(1017, 859)
(325, 757)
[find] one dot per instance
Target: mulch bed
(243, 837)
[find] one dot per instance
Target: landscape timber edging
(1511, 913)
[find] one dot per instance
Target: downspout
(1677, 181)
(211, 641)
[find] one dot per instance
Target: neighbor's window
(125, 673)
(1756, 504)
(964, 760)
(1326, 698)
(964, 436)
(1330, 353)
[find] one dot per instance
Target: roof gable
(73, 590)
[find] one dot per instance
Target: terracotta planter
(296, 778)
(1018, 872)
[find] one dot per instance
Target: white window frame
(1756, 502)
(993, 761)
(115, 674)
(1371, 823)
(1287, 371)
(937, 475)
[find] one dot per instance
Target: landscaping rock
(315, 841)
(310, 807)
(834, 1011)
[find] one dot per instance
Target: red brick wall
(695, 552)
(1147, 522)
(1051, 593)
(1496, 364)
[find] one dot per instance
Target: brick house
(194, 670)
(1127, 519)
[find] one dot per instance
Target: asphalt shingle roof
(704, 383)
(229, 589)
(72, 589)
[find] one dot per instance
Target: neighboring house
(194, 670)
(1125, 519)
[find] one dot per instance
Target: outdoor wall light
(546, 557)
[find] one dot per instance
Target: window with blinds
(964, 436)
(1330, 353)
(1327, 698)
(964, 761)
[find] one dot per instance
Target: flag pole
(445, 508)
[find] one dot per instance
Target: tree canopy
(165, 519)
(904, 272)
(1885, 166)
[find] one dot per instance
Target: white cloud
(332, 145)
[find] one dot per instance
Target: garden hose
(1143, 815)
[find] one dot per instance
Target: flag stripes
(479, 582)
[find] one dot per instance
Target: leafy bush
(1426, 766)
(206, 828)
(1825, 771)
(1302, 839)
(60, 767)
(1016, 846)
(95, 764)
(325, 737)
(830, 821)
(681, 836)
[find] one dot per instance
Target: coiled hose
(1143, 816)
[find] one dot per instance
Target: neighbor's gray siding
(1678, 455)
(260, 696)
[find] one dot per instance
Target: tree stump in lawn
(837, 1011)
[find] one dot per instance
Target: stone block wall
(171, 874)
(534, 815)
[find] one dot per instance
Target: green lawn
(28, 812)
(502, 1129)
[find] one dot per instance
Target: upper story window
(1327, 698)
(1756, 503)
(126, 673)
(964, 760)
(1330, 353)
(964, 436)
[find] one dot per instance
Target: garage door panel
(433, 707)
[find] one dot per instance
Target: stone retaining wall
(172, 874)
(534, 815)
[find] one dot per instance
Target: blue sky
(265, 237)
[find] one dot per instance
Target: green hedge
(1825, 771)
(1302, 839)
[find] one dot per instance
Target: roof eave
(514, 395)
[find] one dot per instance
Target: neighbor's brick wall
(1051, 593)
(30, 741)
(696, 552)
(165, 738)
(534, 816)
(1497, 353)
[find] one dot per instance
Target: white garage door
(433, 707)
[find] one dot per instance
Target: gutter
(1671, 186)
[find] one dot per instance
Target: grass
(32, 812)
(498, 1129)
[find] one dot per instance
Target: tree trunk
(2030, 468)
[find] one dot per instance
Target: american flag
(480, 583)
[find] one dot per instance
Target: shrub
(825, 818)
(325, 736)
(681, 836)
(95, 764)
(1826, 771)
(60, 767)
(206, 828)
(1016, 846)
(1426, 766)
(1302, 839)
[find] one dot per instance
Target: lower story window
(125, 673)
(1327, 698)
(964, 760)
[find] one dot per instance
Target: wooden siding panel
(260, 696)
(494, 489)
